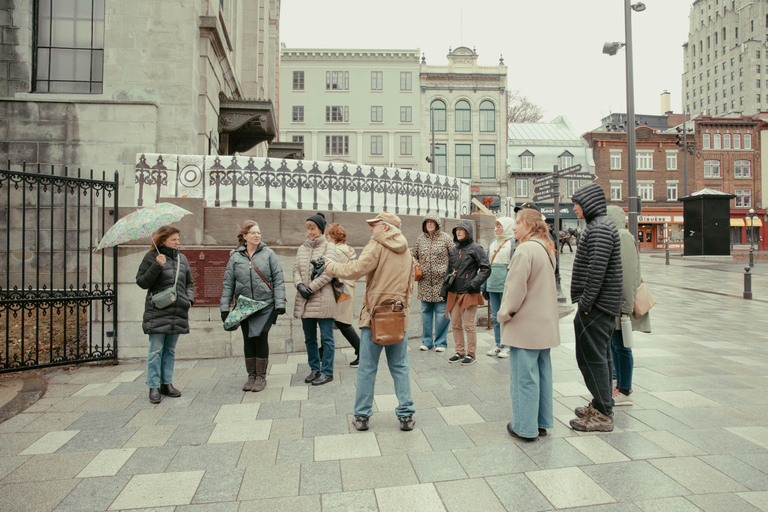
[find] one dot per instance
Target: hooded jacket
(435, 260)
(469, 261)
(503, 247)
(596, 280)
(346, 313)
(630, 267)
(322, 302)
(154, 278)
(241, 279)
(387, 266)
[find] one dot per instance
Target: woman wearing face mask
(159, 270)
(500, 254)
(315, 302)
(529, 325)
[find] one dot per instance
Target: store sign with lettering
(651, 219)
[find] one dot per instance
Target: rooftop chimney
(665, 103)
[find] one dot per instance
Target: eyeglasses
(254, 232)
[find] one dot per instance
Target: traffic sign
(582, 176)
(542, 197)
(575, 169)
(544, 179)
(551, 187)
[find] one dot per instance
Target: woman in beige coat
(337, 235)
(528, 318)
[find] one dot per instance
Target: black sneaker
(467, 361)
(361, 422)
(455, 358)
(355, 363)
(407, 423)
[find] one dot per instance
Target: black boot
(154, 395)
(261, 374)
(250, 366)
(169, 390)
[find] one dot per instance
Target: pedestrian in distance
(623, 361)
(468, 265)
(315, 301)
(529, 318)
(388, 268)
(565, 238)
(596, 286)
(254, 271)
(337, 235)
(431, 252)
(162, 268)
(500, 255)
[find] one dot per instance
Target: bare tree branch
(521, 110)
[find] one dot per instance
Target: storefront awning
(737, 223)
(754, 222)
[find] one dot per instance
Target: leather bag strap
(430, 248)
(257, 271)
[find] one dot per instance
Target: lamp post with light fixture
(751, 217)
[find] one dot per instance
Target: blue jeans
(162, 354)
(434, 312)
(622, 361)
(495, 304)
(530, 385)
(326, 338)
(397, 359)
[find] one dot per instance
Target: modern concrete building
(534, 150)
(464, 110)
(352, 106)
(725, 58)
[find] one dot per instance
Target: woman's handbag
(340, 290)
(244, 308)
(167, 297)
(447, 283)
(388, 323)
(643, 301)
(417, 275)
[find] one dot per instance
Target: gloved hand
(304, 291)
(317, 267)
(486, 295)
(280, 311)
(224, 315)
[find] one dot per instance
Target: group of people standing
(516, 275)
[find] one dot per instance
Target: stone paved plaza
(695, 439)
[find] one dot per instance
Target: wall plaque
(207, 267)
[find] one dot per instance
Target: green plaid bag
(244, 308)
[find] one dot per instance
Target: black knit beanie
(319, 219)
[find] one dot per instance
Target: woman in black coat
(157, 272)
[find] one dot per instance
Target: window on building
(437, 108)
(566, 161)
(743, 198)
(441, 159)
(758, 98)
(671, 160)
(671, 191)
(487, 116)
(644, 161)
(741, 169)
(337, 80)
(406, 114)
(521, 187)
(615, 191)
(526, 162)
(736, 141)
(463, 161)
(405, 80)
(757, 68)
(463, 117)
(487, 161)
(298, 114)
(337, 144)
(406, 145)
(573, 186)
(711, 168)
(747, 141)
(377, 80)
(615, 160)
(69, 46)
(377, 144)
(645, 191)
(717, 143)
(377, 114)
(298, 80)
(336, 114)
(726, 141)
(297, 138)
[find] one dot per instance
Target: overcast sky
(553, 48)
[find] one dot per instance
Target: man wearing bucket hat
(387, 266)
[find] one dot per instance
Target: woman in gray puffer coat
(157, 272)
(255, 272)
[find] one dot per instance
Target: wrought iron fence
(58, 300)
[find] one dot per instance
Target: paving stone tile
(226, 506)
(360, 501)
(270, 394)
(697, 476)
(429, 418)
(189, 416)
(472, 494)
(191, 434)
(128, 376)
(318, 408)
(758, 499)
(346, 446)
(292, 451)
(206, 457)
(150, 436)
(50, 466)
(392, 443)
(633, 445)
(149, 460)
(93, 494)
(459, 415)
(548, 453)
(146, 418)
(258, 453)
(672, 443)
(236, 432)
(107, 403)
(19, 421)
(320, 477)
(287, 428)
(50, 442)
(756, 460)
(32, 497)
(261, 482)
(293, 504)
(158, 490)
(719, 441)
(597, 450)
(219, 485)
(667, 505)
(282, 369)
(377, 472)
(739, 471)
(294, 393)
(724, 502)
(757, 435)
(515, 492)
(437, 466)
(447, 438)
(422, 497)
(281, 409)
(332, 425)
(639, 481)
(569, 487)
(8, 464)
(106, 463)
(494, 460)
(101, 420)
(53, 421)
(237, 413)
(97, 389)
(13, 444)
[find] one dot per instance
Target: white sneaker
(620, 398)
(504, 352)
(424, 348)
(440, 349)
(493, 352)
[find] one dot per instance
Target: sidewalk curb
(34, 387)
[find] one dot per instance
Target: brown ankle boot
(261, 374)
(250, 366)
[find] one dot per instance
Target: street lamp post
(751, 217)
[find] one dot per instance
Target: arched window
(487, 117)
(463, 117)
(437, 111)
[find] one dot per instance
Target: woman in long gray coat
(157, 272)
(255, 272)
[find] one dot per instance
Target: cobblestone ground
(695, 438)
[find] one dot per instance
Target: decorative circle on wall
(190, 176)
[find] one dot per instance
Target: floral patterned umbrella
(141, 224)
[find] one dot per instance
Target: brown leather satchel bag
(417, 275)
(388, 323)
